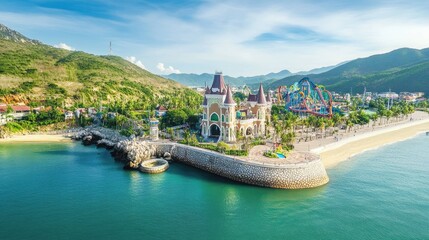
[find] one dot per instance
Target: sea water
(68, 191)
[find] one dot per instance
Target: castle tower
(229, 122)
(213, 108)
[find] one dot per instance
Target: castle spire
(261, 96)
(228, 99)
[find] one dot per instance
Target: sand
(336, 152)
(36, 138)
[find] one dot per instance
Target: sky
(238, 37)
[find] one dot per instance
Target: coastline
(334, 153)
(36, 138)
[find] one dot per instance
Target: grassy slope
(35, 72)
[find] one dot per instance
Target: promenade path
(343, 134)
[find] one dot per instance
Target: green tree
(174, 118)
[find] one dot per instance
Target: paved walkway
(256, 155)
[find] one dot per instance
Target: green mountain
(191, 79)
(32, 71)
(403, 69)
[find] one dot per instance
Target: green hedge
(215, 148)
(237, 152)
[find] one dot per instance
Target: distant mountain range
(192, 79)
(403, 69)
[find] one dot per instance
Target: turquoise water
(280, 155)
(68, 191)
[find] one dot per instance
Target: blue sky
(241, 38)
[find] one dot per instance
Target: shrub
(257, 142)
(13, 127)
(270, 154)
(237, 152)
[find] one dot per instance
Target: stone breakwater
(102, 137)
(289, 176)
(130, 151)
(133, 152)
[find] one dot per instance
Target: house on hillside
(68, 115)
(92, 111)
(18, 111)
(160, 111)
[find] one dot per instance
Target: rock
(167, 156)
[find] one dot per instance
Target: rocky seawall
(133, 152)
(289, 176)
(102, 137)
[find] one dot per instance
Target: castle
(224, 120)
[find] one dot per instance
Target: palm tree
(374, 118)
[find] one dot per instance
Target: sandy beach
(37, 138)
(333, 152)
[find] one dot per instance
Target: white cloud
(166, 70)
(226, 34)
(134, 60)
(64, 46)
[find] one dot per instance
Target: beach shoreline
(334, 153)
(33, 138)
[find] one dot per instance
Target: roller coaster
(305, 97)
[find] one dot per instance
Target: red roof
(161, 108)
(18, 108)
(21, 108)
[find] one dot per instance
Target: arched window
(214, 117)
(223, 118)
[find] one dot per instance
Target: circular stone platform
(157, 165)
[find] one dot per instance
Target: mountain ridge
(32, 71)
(377, 72)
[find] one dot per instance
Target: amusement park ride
(305, 97)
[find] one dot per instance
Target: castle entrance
(214, 130)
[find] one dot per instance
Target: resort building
(18, 112)
(223, 119)
(160, 111)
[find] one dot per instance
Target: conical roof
(218, 85)
(207, 90)
(228, 99)
(269, 98)
(261, 96)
